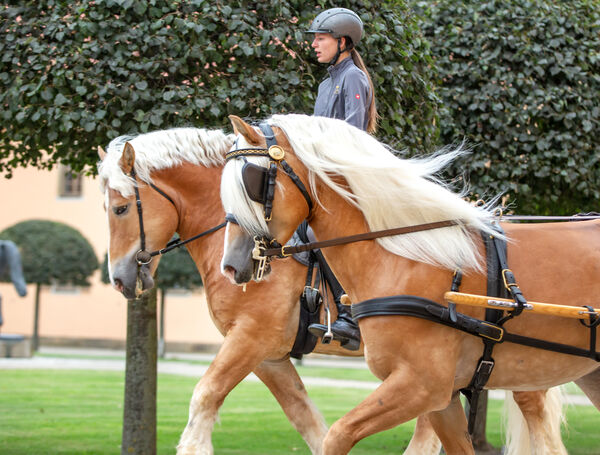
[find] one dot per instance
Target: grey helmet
(338, 22)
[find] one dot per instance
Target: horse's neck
(199, 207)
(365, 269)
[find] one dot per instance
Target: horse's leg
(542, 411)
(402, 396)
(234, 361)
(450, 425)
(424, 440)
(590, 384)
(284, 383)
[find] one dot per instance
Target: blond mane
(390, 191)
(162, 149)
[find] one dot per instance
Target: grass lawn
(80, 412)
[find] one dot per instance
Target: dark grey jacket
(345, 94)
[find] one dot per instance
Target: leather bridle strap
(270, 138)
(143, 257)
(287, 250)
(276, 154)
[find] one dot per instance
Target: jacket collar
(334, 70)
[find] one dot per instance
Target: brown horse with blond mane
(177, 176)
(360, 186)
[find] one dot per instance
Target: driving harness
(259, 183)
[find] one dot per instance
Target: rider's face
(325, 46)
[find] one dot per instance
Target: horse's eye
(120, 210)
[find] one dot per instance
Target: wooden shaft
(498, 303)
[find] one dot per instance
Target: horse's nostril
(118, 285)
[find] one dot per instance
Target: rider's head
(337, 31)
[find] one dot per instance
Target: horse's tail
(544, 433)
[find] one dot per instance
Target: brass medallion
(276, 152)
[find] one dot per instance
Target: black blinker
(255, 181)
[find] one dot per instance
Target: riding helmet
(338, 22)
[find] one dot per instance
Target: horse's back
(556, 261)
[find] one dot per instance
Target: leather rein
(144, 257)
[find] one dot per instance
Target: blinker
(255, 181)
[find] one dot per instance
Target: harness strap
(310, 303)
(270, 138)
(286, 250)
(494, 247)
(410, 305)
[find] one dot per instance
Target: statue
(10, 263)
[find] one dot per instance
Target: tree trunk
(139, 415)
(161, 326)
(36, 319)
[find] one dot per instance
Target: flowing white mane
(391, 192)
(160, 150)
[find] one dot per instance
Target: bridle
(144, 257)
(259, 181)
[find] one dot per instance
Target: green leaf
(60, 99)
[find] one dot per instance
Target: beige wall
(99, 312)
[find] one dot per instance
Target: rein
(288, 250)
(144, 257)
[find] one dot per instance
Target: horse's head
(266, 209)
(140, 220)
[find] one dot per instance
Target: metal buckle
(494, 327)
(283, 253)
(489, 366)
(507, 285)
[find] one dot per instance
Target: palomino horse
(186, 165)
(361, 186)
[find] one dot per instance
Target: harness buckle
(506, 279)
(499, 330)
(485, 367)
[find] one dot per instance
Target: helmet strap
(335, 58)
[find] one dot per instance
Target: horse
(360, 185)
(177, 176)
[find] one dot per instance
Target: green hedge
(521, 81)
(73, 75)
(52, 253)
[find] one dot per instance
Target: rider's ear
(241, 127)
(127, 158)
(101, 153)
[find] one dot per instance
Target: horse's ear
(127, 158)
(101, 153)
(241, 127)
